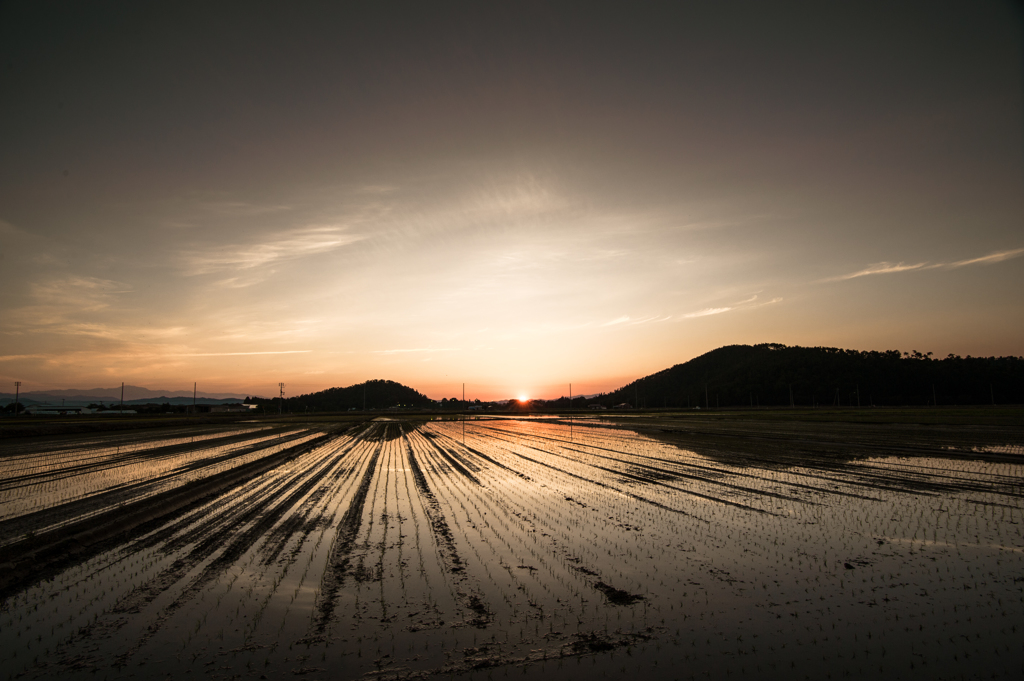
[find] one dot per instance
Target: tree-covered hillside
(767, 375)
(375, 394)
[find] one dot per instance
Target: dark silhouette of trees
(378, 394)
(770, 373)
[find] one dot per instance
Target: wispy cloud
(746, 304)
(399, 351)
(82, 293)
(243, 208)
(892, 268)
(234, 354)
(70, 306)
(652, 318)
(879, 268)
(297, 243)
(707, 312)
(989, 259)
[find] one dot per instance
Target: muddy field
(554, 548)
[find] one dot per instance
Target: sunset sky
(515, 196)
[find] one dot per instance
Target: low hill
(771, 374)
(375, 394)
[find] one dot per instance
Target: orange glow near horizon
(549, 213)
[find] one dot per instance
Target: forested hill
(738, 375)
(375, 394)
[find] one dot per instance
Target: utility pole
(280, 405)
(17, 392)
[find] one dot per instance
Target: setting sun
(266, 297)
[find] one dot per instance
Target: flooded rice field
(515, 548)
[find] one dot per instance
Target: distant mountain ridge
(773, 374)
(768, 374)
(132, 394)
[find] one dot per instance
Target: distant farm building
(230, 408)
(55, 410)
(597, 407)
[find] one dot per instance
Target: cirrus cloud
(892, 268)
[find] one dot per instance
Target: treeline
(371, 395)
(772, 374)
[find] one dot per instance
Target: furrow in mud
(136, 456)
(703, 468)
(445, 540)
(347, 532)
(120, 495)
(454, 460)
(633, 494)
(301, 522)
(37, 558)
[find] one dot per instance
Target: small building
(598, 407)
(623, 405)
(229, 408)
(55, 410)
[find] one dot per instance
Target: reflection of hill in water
(388, 429)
